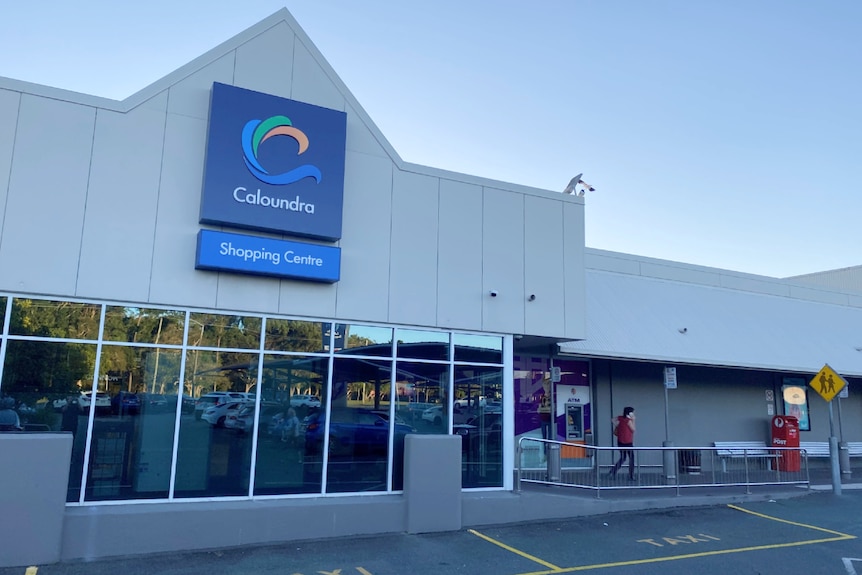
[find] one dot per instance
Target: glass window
(295, 335)
(422, 394)
(292, 400)
(141, 325)
(417, 344)
(212, 459)
(364, 340)
(359, 428)
(130, 454)
(224, 331)
(478, 348)
(55, 319)
(479, 421)
(43, 378)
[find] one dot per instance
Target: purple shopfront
(536, 391)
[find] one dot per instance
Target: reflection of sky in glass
(371, 333)
(492, 342)
(419, 336)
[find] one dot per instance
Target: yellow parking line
(554, 568)
(31, 571)
(842, 535)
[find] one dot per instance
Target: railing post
(747, 480)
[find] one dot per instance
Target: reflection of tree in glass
(294, 335)
(140, 325)
(55, 319)
(225, 331)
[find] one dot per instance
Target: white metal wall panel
(503, 261)
(544, 269)
(413, 259)
(260, 62)
(117, 244)
(642, 318)
(363, 291)
(47, 196)
(174, 280)
(308, 299)
(9, 102)
(755, 284)
(574, 261)
(460, 293)
(191, 95)
(359, 136)
(247, 293)
(311, 84)
(680, 272)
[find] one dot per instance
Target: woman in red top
(624, 429)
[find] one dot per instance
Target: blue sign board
(273, 164)
(221, 251)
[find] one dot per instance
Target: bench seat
(742, 450)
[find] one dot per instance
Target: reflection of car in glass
(218, 414)
(242, 420)
(482, 431)
(103, 401)
(302, 400)
(156, 401)
(433, 415)
(125, 402)
(204, 402)
(353, 432)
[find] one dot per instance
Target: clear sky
(721, 133)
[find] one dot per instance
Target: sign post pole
(829, 384)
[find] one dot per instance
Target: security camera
(493, 293)
(532, 297)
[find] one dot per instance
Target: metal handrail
(774, 468)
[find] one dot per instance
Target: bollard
(844, 458)
(669, 463)
(554, 463)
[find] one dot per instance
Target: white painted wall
(100, 200)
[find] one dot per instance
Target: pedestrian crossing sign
(827, 383)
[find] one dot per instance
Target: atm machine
(574, 432)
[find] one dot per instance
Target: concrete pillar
(33, 483)
(432, 482)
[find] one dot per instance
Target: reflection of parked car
(433, 415)
(156, 401)
(302, 400)
(204, 402)
(217, 414)
(103, 401)
(353, 432)
(480, 432)
(242, 420)
(125, 402)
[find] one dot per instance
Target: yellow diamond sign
(827, 383)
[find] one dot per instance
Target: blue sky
(726, 134)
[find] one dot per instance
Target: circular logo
(256, 132)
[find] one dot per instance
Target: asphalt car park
(817, 533)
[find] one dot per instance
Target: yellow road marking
(31, 571)
(554, 568)
(843, 535)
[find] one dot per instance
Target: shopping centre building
(237, 305)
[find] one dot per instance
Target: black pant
(624, 453)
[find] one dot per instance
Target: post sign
(239, 253)
(827, 383)
(273, 164)
(670, 377)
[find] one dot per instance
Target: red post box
(785, 433)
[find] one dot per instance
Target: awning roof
(644, 318)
